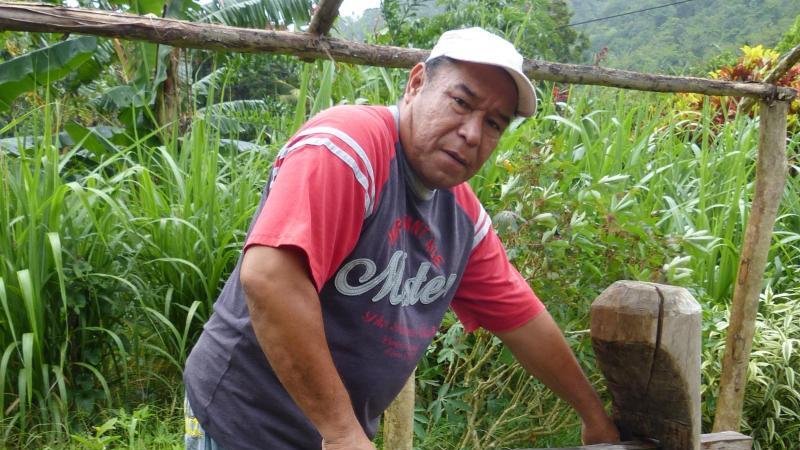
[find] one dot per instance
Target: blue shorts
(194, 435)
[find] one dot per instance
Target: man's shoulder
(467, 200)
(357, 121)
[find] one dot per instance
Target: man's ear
(416, 79)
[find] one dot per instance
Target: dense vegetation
(124, 203)
(688, 36)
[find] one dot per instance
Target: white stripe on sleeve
(481, 227)
(356, 148)
(342, 155)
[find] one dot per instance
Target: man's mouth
(456, 157)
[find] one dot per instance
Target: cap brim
(526, 93)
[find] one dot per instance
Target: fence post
(647, 340)
(771, 170)
(398, 419)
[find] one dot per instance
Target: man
(366, 234)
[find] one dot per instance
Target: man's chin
(440, 179)
(443, 183)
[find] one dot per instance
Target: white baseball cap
(480, 46)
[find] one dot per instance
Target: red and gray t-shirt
(388, 257)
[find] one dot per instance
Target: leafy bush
(754, 65)
(772, 400)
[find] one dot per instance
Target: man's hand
(348, 443)
(541, 349)
(599, 432)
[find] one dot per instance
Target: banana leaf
(40, 67)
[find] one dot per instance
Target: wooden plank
(323, 18)
(628, 445)
(646, 338)
(58, 19)
(771, 171)
(727, 440)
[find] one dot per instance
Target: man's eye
(494, 125)
(460, 102)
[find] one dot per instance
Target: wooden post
(771, 171)
(647, 340)
(398, 420)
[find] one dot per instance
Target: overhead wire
(623, 14)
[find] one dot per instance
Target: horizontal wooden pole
(57, 19)
(727, 440)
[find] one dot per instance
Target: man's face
(451, 123)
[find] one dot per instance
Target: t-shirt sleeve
(316, 202)
(492, 293)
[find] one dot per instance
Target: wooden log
(727, 440)
(323, 18)
(57, 19)
(398, 420)
(646, 338)
(771, 171)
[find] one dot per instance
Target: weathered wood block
(647, 340)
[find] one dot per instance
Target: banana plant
(42, 67)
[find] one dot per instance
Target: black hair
(433, 66)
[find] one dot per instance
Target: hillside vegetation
(684, 37)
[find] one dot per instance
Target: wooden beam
(646, 337)
(324, 17)
(771, 172)
(787, 62)
(398, 420)
(57, 19)
(727, 440)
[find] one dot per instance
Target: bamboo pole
(323, 19)
(771, 170)
(398, 419)
(177, 33)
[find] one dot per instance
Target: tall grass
(109, 271)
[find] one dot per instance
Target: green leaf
(256, 13)
(40, 67)
(90, 139)
(121, 97)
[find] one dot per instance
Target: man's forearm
(542, 350)
(287, 320)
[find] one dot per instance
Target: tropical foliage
(538, 28)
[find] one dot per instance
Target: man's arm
(287, 320)
(542, 350)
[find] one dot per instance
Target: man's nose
(471, 129)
